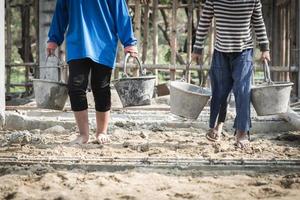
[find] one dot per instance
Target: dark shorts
(79, 71)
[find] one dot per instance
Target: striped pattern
(234, 22)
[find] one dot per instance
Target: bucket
(50, 94)
(187, 100)
(271, 98)
(135, 91)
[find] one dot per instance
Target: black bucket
(135, 91)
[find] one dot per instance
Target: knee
(77, 85)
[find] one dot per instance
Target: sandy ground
(129, 141)
(44, 182)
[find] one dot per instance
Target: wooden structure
(159, 22)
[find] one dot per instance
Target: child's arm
(59, 23)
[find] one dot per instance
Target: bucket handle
(58, 67)
(127, 56)
(187, 70)
(267, 74)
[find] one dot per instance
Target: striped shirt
(234, 22)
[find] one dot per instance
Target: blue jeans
(232, 71)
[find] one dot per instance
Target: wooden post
(298, 46)
(275, 52)
(174, 40)
(2, 64)
(189, 35)
(146, 31)
(155, 35)
(137, 29)
(288, 41)
(26, 38)
(37, 11)
(8, 45)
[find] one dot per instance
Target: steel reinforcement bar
(111, 164)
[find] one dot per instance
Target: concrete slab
(135, 119)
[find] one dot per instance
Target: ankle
(99, 133)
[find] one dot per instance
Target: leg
(101, 90)
(242, 73)
(77, 84)
(221, 83)
(222, 116)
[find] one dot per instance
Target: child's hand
(132, 50)
(265, 56)
(196, 57)
(51, 46)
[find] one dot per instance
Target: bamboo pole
(173, 40)
(145, 33)
(8, 45)
(155, 35)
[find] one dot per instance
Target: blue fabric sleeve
(123, 22)
(59, 23)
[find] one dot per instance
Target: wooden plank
(173, 39)
(169, 7)
(205, 67)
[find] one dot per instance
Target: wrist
(52, 45)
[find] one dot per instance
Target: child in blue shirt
(92, 30)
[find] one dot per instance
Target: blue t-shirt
(93, 28)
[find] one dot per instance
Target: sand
(44, 182)
(130, 185)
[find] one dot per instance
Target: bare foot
(103, 138)
(213, 135)
(80, 140)
(242, 140)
